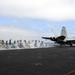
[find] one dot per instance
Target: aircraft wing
(60, 38)
(46, 37)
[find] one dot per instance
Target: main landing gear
(71, 44)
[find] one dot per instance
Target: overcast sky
(32, 19)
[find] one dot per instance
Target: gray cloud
(55, 10)
(14, 32)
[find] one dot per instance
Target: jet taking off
(62, 39)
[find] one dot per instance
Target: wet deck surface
(43, 61)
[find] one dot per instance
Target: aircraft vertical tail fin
(63, 32)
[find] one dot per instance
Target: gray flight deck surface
(41, 61)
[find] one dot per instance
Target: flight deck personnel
(6, 42)
(1, 42)
(10, 42)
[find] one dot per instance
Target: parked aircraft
(62, 39)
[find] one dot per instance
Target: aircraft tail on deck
(63, 32)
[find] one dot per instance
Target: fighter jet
(62, 39)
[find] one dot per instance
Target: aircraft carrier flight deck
(40, 61)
